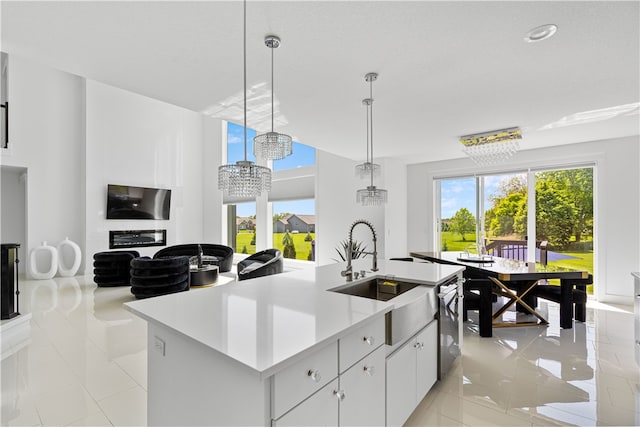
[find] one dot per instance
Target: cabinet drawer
(295, 383)
(361, 342)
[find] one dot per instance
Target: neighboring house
(296, 224)
(280, 226)
(245, 223)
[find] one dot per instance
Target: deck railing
(515, 249)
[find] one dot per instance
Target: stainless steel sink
(376, 288)
(415, 304)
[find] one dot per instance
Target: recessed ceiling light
(540, 33)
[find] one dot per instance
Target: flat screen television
(127, 202)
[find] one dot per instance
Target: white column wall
(394, 173)
(214, 215)
(46, 125)
(616, 197)
(336, 208)
(135, 140)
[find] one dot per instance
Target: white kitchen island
(279, 349)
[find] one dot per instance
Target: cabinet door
(401, 384)
(320, 409)
(363, 386)
(426, 360)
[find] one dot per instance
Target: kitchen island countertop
(270, 322)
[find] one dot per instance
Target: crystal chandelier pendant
(363, 170)
(244, 179)
(371, 196)
(272, 145)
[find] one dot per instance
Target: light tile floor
(81, 361)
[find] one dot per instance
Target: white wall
(617, 206)
(135, 140)
(13, 201)
(212, 197)
(336, 208)
(394, 175)
(46, 125)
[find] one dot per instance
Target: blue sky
(303, 155)
(461, 193)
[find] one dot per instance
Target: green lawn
(243, 239)
(454, 241)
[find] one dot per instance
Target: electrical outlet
(158, 345)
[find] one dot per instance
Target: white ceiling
(446, 68)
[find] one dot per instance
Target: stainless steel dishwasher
(449, 342)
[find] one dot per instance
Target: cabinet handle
(369, 340)
(339, 394)
(315, 375)
(418, 345)
(369, 370)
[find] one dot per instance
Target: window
(563, 209)
(294, 229)
(292, 193)
(235, 143)
(303, 155)
(242, 231)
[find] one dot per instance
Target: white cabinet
(411, 372)
(355, 397)
(321, 409)
(427, 360)
(300, 380)
(364, 393)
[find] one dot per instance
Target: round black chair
(112, 268)
(151, 277)
(263, 263)
(219, 255)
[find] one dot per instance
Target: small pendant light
(272, 145)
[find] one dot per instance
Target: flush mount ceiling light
(371, 196)
(490, 148)
(272, 145)
(244, 178)
(363, 170)
(540, 33)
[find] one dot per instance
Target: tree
(289, 249)
(463, 222)
(555, 214)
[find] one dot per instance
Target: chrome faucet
(348, 272)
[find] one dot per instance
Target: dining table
(515, 280)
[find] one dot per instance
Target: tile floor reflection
(81, 360)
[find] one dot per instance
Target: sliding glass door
(494, 209)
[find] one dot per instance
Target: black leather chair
(112, 268)
(263, 263)
(219, 255)
(151, 277)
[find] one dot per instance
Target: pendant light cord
(371, 112)
(367, 103)
(244, 51)
(272, 49)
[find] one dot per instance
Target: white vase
(53, 262)
(63, 270)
